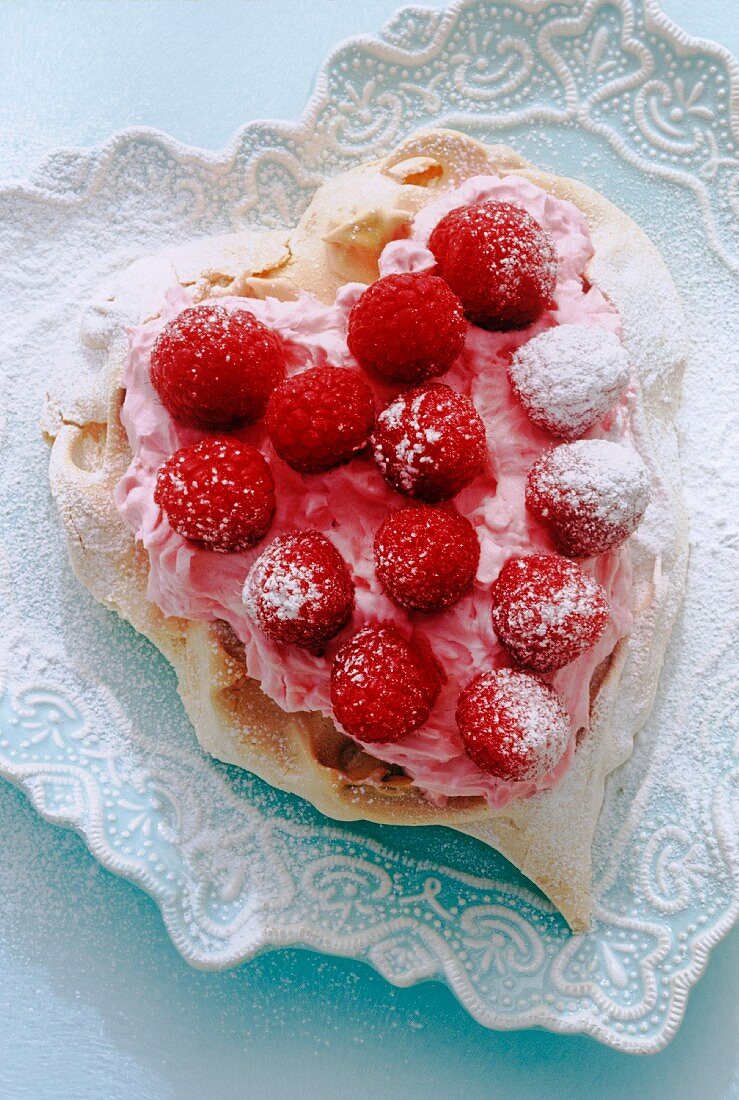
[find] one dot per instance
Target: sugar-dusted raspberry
(568, 377)
(320, 418)
(426, 558)
(513, 725)
(215, 368)
(299, 590)
(547, 611)
(382, 687)
(501, 263)
(590, 495)
(429, 442)
(218, 493)
(407, 328)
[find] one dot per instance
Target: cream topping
(348, 504)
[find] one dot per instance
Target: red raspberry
(320, 418)
(426, 559)
(382, 687)
(430, 442)
(407, 328)
(218, 493)
(501, 263)
(215, 368)
(513, 725)
(299, 590)
(546, 611)
(591, 495)
(568, 377)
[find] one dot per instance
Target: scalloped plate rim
(654, 14)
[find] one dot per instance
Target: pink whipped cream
(349, 503)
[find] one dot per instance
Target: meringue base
(339, 238)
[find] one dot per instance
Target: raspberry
(513, 725)
(547, 611)
(500, 262)
(382, 687)
(567, 378)
(215, 368)
(320, 418)
(218, 493)
(299, 590)
(426, 559)
(590, 495)
(430, 442)
(407, 328)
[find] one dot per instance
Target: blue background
(94, 1001)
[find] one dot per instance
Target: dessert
(381, 498)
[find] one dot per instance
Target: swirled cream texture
(349, 503)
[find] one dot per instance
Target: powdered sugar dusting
(547, 611)
(513, 724)
(409, 451)
(287, 589)
(541, 720)
(429, 442)
(299, 590)
(591, 493)
(569, 377)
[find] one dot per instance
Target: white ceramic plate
(90, 723)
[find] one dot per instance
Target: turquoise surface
(95, 1000)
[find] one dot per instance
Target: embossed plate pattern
(90, 724)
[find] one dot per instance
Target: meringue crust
(548, 836)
